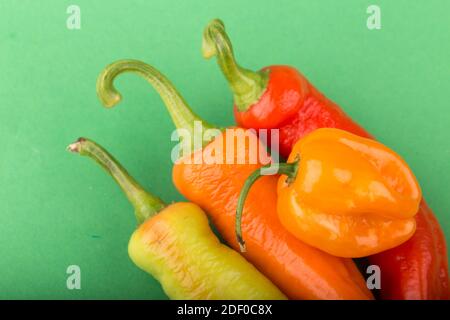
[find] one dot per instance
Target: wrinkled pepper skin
(290, 103)
(178, 248)
(351, 196)
(299, 270)
(176, 245)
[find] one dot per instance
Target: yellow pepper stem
(145, 204)
(288, 169)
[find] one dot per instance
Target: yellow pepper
(175, 244)
(346, 195)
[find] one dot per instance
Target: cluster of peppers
(340, 195)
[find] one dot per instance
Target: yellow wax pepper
(175, 244)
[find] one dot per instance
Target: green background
(57, 209)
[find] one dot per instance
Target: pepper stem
(247, 86)
(145, 204)
(182, 115)
(288, 169)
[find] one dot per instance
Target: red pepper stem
(288, 169)
(182, 115)
(145, 204)
(247, 85)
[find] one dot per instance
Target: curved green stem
(247, 86)
(182, 115)
(289, 169)
(145, 204)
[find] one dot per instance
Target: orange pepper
(346, 195)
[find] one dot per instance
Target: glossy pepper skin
(350, 196)
(176, 246)
(294, 107)
(346, 195)
(284, 99)
(300, 271)
(419, 265)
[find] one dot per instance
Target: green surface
(57, 209)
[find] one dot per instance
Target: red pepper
(279, 97)
(291, 104)
(417, 269)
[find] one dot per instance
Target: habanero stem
(288, 169)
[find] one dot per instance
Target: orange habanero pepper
(344, 194)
